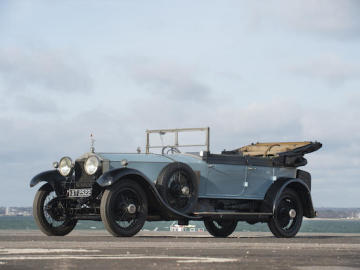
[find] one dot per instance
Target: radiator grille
(82, 179)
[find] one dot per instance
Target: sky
(250, 70)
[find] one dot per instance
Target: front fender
(111, 177)
(272, 196)
(53, 177)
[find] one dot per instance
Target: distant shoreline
(332, 219)
(316, 225)
(305, 218)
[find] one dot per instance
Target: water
(316, 226)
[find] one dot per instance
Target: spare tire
(178, 186)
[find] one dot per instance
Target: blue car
(260, 182)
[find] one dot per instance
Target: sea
(309, 225)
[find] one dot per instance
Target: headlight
(92, 164)
(65, 166)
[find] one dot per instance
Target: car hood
(134, 157)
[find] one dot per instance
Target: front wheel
(220, 228)
(49, 213)
(124, 208)
(288, 215)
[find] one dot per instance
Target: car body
(256, 183)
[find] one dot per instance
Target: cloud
(36, 105)
(23, 70)
(353, 100)
(264, 119)
(329, 68)
(171, 81)
(330, 18)
(336, 125)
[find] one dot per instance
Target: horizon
(322, 207)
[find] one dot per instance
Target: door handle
(211, 165)
(251, 168)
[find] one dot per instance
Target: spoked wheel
(178, 187)
(288, 215)
(178, 190)
(49, 213)
(124, 208)
(220, 228)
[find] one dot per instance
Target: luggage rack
(176, 144)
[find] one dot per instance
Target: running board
(228, 214)
(87, 217)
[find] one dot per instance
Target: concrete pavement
(169, 250)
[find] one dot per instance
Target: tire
(51, 221)
(282, 225)
(220, 228)
(177, 185)
(124, 208)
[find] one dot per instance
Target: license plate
(83, 192)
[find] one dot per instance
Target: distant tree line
(338, 212)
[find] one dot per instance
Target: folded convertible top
(278, 149)
(290, 154)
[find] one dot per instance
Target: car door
(258, 180)
(225, 180)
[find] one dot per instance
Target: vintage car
(255, 183)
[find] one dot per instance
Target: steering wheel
(171, 150)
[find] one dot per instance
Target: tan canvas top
(270, 149)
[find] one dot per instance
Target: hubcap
(185, 190)
(292, 213)
(131, 208)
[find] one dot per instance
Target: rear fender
(53, 177)
(273, 194)
(114, 176)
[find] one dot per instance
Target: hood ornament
(92, 143)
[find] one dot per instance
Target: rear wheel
(49, 213)
(220, 228)
(288, 215)
(124, 208)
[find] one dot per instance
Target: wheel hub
(55, 210)
(185, 191)
(292, 213)
(131, 208)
